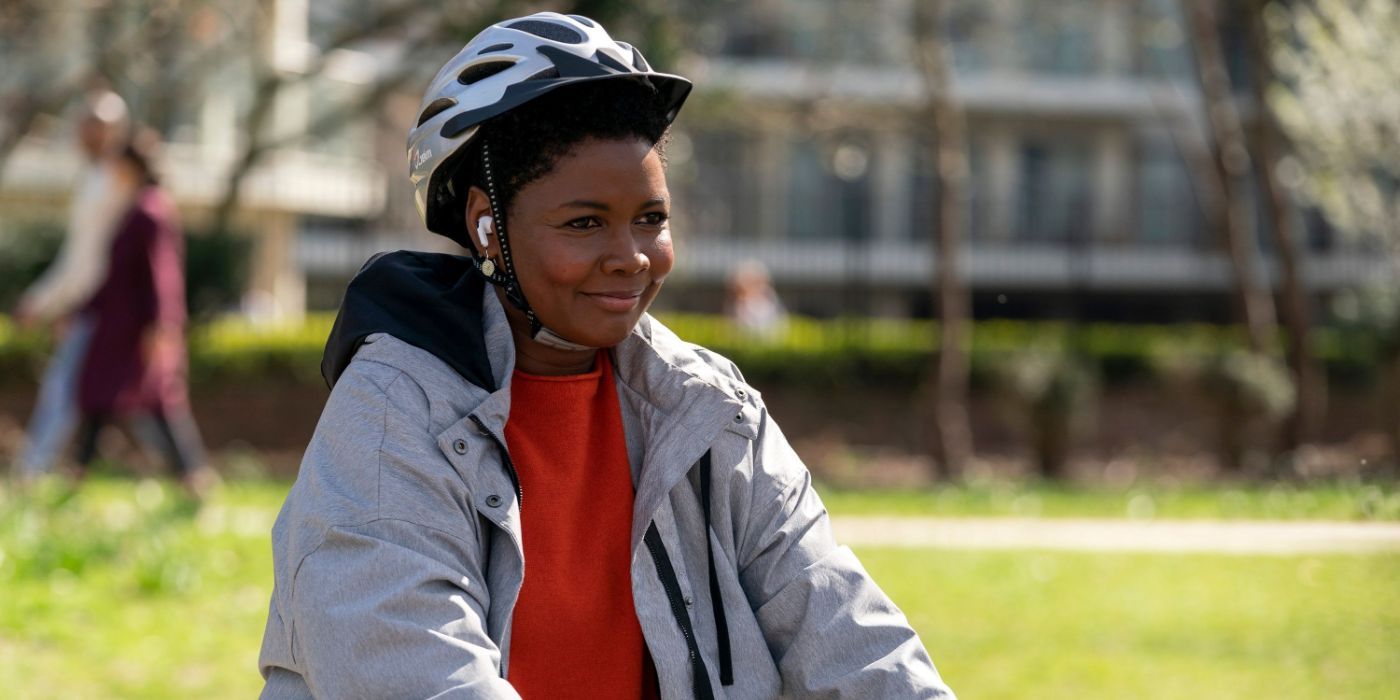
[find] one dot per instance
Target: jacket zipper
(505, 457)
(673, 596)
(664, 571)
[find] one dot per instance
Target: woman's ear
(480, 222)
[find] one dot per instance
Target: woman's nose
(626, 253)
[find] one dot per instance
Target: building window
(975, 32)
(829, 190)
(1164, 41)
(1234, 43)
(1167, 210)
(724, 191)
(747, 30)
(809, 30)
(1054, 202)
(1163, 51)
(1057, 37)
(922, 207)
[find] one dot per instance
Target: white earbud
(483, 229)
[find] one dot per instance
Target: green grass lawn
(126, 591)
(1336, 500)
(1072, 625)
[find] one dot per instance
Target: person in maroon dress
(135, 369)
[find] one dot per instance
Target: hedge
(819, 353)
(900, 351)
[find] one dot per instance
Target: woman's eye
(655, 218)
(582, 223)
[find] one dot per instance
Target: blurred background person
(752, 303)
(134, 370)
(99, 198)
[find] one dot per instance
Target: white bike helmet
(503, 67)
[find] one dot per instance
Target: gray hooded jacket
(398, 556)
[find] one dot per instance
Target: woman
(134, 367)
(57, 297)
(533, 488)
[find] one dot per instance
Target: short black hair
(528, 141)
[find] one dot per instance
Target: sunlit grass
(1339, 500)
(1073, 625)
(126, 590)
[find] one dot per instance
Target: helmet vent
(436, 108)
(482, 71)
(638, 62)
(548, 30)
(494, 48)
(582, 20)
(610, 62)
(547, 74)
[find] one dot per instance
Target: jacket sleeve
(831, 630)
(97, 208)
(380, 589)
(384, 610)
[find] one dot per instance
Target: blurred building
(802, 148)
(809, 157)
(297, 184)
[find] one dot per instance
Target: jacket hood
(429, 300)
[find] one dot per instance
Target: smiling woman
(580, 175)
(676, 547)
(593, 263)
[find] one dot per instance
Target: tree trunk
(1268, 146)
(1390, 398)
(48, 91)
(1054, 437)
(1230, 155)
(952, 443)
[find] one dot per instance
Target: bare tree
(1338, 64)
(169, 58)
(271, 81)
(943, 115)
(39, 80)
(1230, 155)
(1269, 145)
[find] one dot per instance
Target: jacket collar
(682, 408)
(676, 401)
(494, 410)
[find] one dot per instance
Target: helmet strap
(506, 278)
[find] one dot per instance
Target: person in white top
(753, 305)
(59, 295)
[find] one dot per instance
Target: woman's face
(591, 240)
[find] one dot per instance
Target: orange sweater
(575, 632)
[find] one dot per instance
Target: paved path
(1179, 536)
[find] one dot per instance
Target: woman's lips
(615, 301)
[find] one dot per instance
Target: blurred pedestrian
(675, 545)
(58, 297)
(134, 371)
(753, 305)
